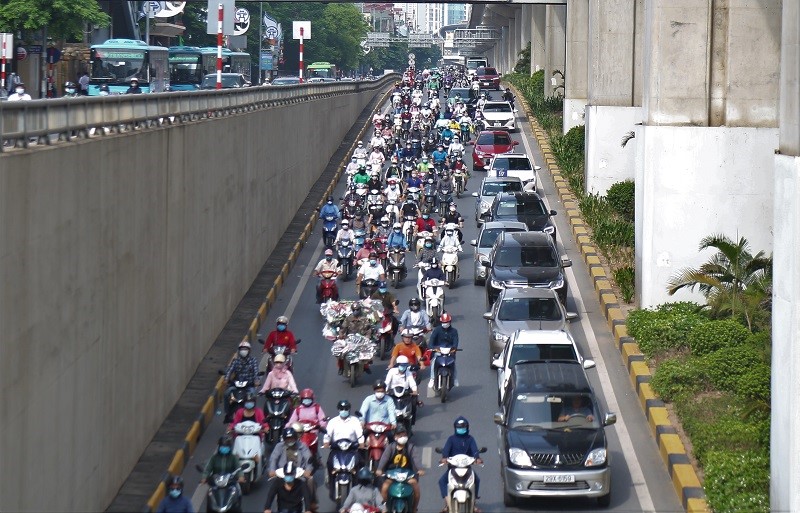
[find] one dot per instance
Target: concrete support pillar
(525, 26)
(577, 65)
(503, 49)
(614, 91)
(705, 160)
(518, 37)
(785, 435)
(511, 45)
(554, 46)
(538, 24)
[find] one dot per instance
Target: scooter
(379, 247)
(328, 230)
(396, 266)
(276, 350)
(434, 299)
(458, 178)
(450, 265)
(409, 223)
(404, 409)
(377, 434)
(359, 237)
(277, 410)
(444, 366)
(386, 335)
(345, 463)
(367, 288)
(408, 166)
(401, 493)
(445, 197)
(328, 289)
(237, 397)
(460, 482)
(250, 449)
(310, 437)
(344, 254)
(224, 493)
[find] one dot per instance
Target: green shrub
(713, 335)
(760, 339)
(665, 328)
(676, 377)
(754, 383)
(727, 365)
(737, 481)
(610, 233)
(621, 198)
(626, 280)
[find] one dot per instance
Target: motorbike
(310, 437)
(450, 265)
(379, 245)
(344, 254)
(377, 434)
(237, 397)
(367, 288)
(465, 130)
(445, 197)
(444, 365)
(434, 299)
(413, 194)
(277, 410)
(409, 223)
(328, 289)
(396, 266)
(224, 493)
(284, 350)
(344, 456)
(404, 409)
(329, 230)
(458, 178)
(401, 493)
(461, 482)
(250, 449)
(408, 166)
(416, 147)
(359, 236)
(429, 193)
(386, 334)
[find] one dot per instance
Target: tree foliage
(64, 19)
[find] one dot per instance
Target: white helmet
(244, 343)
(361, 143)
(397, 225)
(402, 360)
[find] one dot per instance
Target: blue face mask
(174, 493)
(249, 405)
(383, 291)
(373, 263)
(402, 368)
(288, 479)
(344, 414)
(224, 450)
(461, 431)
(281, 327)
(428, 245)
(307, 402)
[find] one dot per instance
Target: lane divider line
(206, 414)
(685, 481)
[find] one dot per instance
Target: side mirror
(571, 316)
(482, 450)
(565, 261)
(438, 450)
(553, 213)
(537, 168)
(475, 195)
(396, 302)
(588, 364)
(473, 242)
(298, 340)
(262, 341)
(499, 418)
(610, 418)
(496, 363)
(487, 168)
(221, 372)
(199, 468)
(514, 143)
(488, 316)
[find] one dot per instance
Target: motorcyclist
(308, 410)
(329, 209)
(439, 155)
(291, 449)
(360, 152)
(344, 232)
(175, 501)
(248, 413)
(371, 269)
(364, 492)
(456, 148)
(343, 426)
(461, 442)
(280, 336)
(377, 407)
(444, 189)
(70, 90)
(508, 96)
(396, 238)
(351, 167)
(360, 324)
(400, 454)
(422, 167)
(407, 151)
(328, 263)
(393, 172)
(387, 298)
(292, 494)
(450, 239)
(383, 229)
(243, 368)
(444, 335)
(361, 175)
(374, 182)
(392, 191)
(414, 180)
(481, 101)
(425, 224)
(279, 376)
(465, 120)
(223, 461)
(458, 167)
(134, 88)
(434, 272)
(363, 253)
(401, 375)
(408, 347)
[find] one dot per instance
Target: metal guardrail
(47, 121)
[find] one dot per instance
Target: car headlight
(500, 337)
(558, 283)
(496, 284)
(549, 229)
(519, 457)
(595, 458)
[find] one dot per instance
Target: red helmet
(307, 393)
(445, 317)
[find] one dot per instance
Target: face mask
(20, 90)
(243, 353)
(425, 216)
(461, 431)
(330, 203)
(373, 263)
(278, 365)
(307, 402)
(224, 450)
(290, 443)
(175, 493)
(288, 479)
(448, 232)
(249, 405)
(72, 91)
(402, 368)
(434, 266)
(103, 93)
(344, 414)
(445, 325)
(380, 395)
(428, 245)
(328, 258)
(281, 327)
(402, 440)
(383, 291)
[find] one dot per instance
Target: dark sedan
(526, 207)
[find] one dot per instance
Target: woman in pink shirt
(279, 376)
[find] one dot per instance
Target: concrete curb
(206, 415)
(673, 452)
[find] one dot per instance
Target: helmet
(289, 433)
(279, 358)
(250, 396)
(364, 475)
(434, 262)
(371, 255)
(175, 481)
(445, 317)
(69, 84)
(461, 422)
(361, 143)
(134, 80)
(344, 404)
(381, 284)
(104, 87)
(406, 333)
(379, 384)
(397, 225)
(452, 207)
(330, 199)
(283, 320)
(345, 222)
(307, 393)
(329, 252)
(401, 360)
(385, 219)
(225, 441)
(414, 302)
(244, 343)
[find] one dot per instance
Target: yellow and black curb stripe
(673, 452)
(182, 455)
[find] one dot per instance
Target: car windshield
(534, 412)
(490, 235)
(487, 71)
(228, 81)
(525, 206)
(118, 65)
(512, 164)
(494, 139)
(495, 188)
(531, 256)
(497, 107)
(533, 352)
(286, 80)
(530, 309)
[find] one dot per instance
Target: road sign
(301, 29)
(170, 8)
(151, 8)
(241, 21)
(22, 53)
(34, 49)
(53, 55)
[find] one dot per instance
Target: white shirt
(449, 240)
(395, 378)
(360, 153)
(366, 271)
(456, 147)
(392, 194)
(14, 97)
(339, 428)
(344, 234)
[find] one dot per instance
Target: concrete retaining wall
(121, 259)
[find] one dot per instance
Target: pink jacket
(279, 378)
(311, 413)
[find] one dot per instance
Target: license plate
(559, 478)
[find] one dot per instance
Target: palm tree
(734, 281)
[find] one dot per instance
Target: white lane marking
(427, 456)
(199, 496)
(431, 393)
(637, 476)
(303, 280)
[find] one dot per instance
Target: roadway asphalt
(640, 481)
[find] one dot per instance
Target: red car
(488, 78)
(488, 144)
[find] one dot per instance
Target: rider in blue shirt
(329, 209)
(447, 133)
(460, 443)
(439, 154)
(396, 238)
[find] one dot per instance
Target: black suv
(527, 207)
(525, 259)
(552, 437)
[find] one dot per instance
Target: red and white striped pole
(301, 55)
(3, 66)
(219, 45)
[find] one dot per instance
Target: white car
(516, 165)
(499, 116)
(535, 345)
